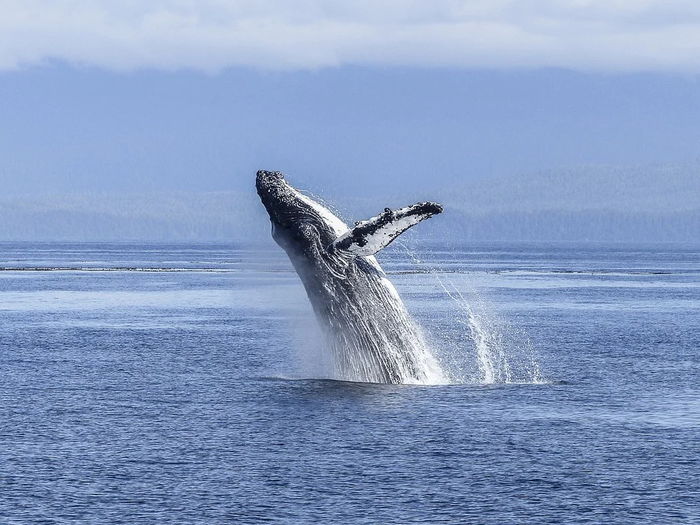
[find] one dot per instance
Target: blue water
(180, 384)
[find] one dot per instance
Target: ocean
(187, 383)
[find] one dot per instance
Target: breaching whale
(360, 312)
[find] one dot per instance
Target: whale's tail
(370, 236)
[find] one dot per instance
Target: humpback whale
(366, 324)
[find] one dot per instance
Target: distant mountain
(590, 203)
(564, 225)
(647, 189)
(598, 203)
(650, 203)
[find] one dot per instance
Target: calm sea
(145, 383)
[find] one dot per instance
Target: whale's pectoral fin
(370, 236)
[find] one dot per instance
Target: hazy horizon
(638, 204)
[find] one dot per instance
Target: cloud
(211, 35)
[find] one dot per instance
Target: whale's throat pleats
(372, 336)
(366, 325)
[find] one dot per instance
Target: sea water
(153, 383)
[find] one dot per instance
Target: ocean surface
(188, 384)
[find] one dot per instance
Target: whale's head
(300, 225)
(315, 238)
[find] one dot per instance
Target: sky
(211, 35)
(353, 97)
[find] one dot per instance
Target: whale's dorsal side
(370, 236)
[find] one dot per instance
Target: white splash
(481, 347)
